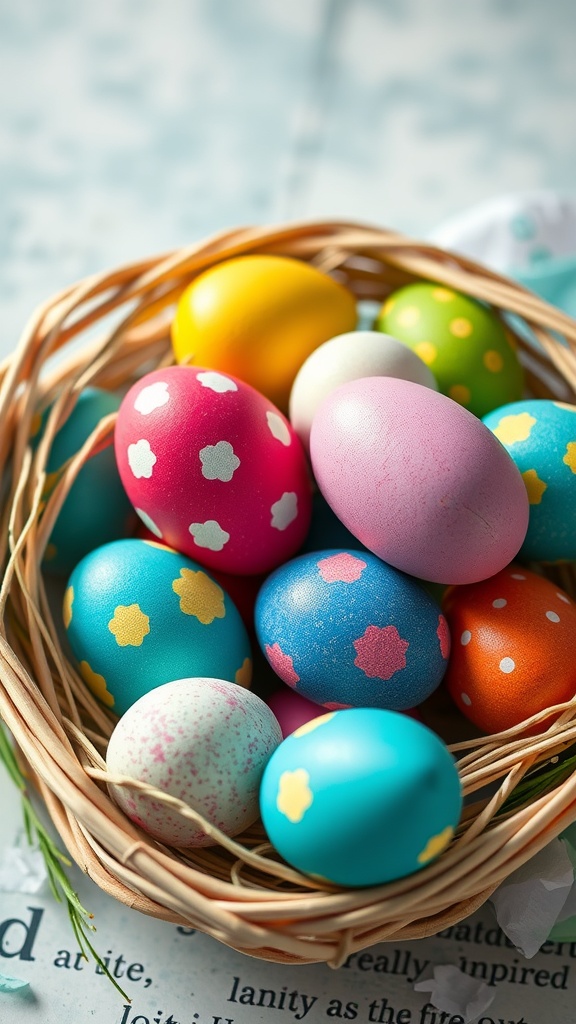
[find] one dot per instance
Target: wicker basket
(237, 890)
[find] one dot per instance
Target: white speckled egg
(348, 357)
(205, 742)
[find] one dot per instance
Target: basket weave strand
(237, 890)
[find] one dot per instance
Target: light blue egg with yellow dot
(361, 797)
(138, 614)
(96, 509)
(540, 436)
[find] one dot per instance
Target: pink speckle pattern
(282, 664)
(341, 568)
(380, 652)
(443, 634)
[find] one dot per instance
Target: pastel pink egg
(419, 480)
(292, 709)
(213, 469)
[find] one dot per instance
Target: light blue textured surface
(131, 126)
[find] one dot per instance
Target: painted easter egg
(512, 648)
(205, 742)
(347, 357)
(213, 469)
(96, 509)
(419, 480)
(292, 709)
(335, 792)
(463, 342)
(540, 436)
(138, 615)
(346, 630)
(258, 318)
(242, 589)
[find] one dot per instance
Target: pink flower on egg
(282, 664)
(342, 568)
(380, 652)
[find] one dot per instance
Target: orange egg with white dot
(462, 341)
(512, 653)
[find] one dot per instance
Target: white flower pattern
(284, 511)
(219, 461)
(209, 535)
(141, 459)
(216, 381)
(278, 428)
(152, 397)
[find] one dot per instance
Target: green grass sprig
(543, 778)
(55, 861)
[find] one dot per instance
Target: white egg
(348, 357)
(205, 742)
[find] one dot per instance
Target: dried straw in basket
(237, 890)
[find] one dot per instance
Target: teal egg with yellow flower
(96, 509)
(540, 436)
(138, 614)
(361, 797)
(462, 341)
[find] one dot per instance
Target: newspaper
(171, 975)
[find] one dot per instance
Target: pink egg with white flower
(213, 469)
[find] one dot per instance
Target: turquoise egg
(96, 509)
(361, 797)
(138, 614)
(540, 436)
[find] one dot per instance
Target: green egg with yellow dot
(138, 614)
(462, 341)
(540, 436)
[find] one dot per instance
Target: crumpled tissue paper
(457, 993)
(22, 869)
(531, 900)
(529, 236)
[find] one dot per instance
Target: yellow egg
(259, 318)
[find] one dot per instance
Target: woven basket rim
(234, 890)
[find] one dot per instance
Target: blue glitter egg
(347, 630)
(138, 614)
(360, 797)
